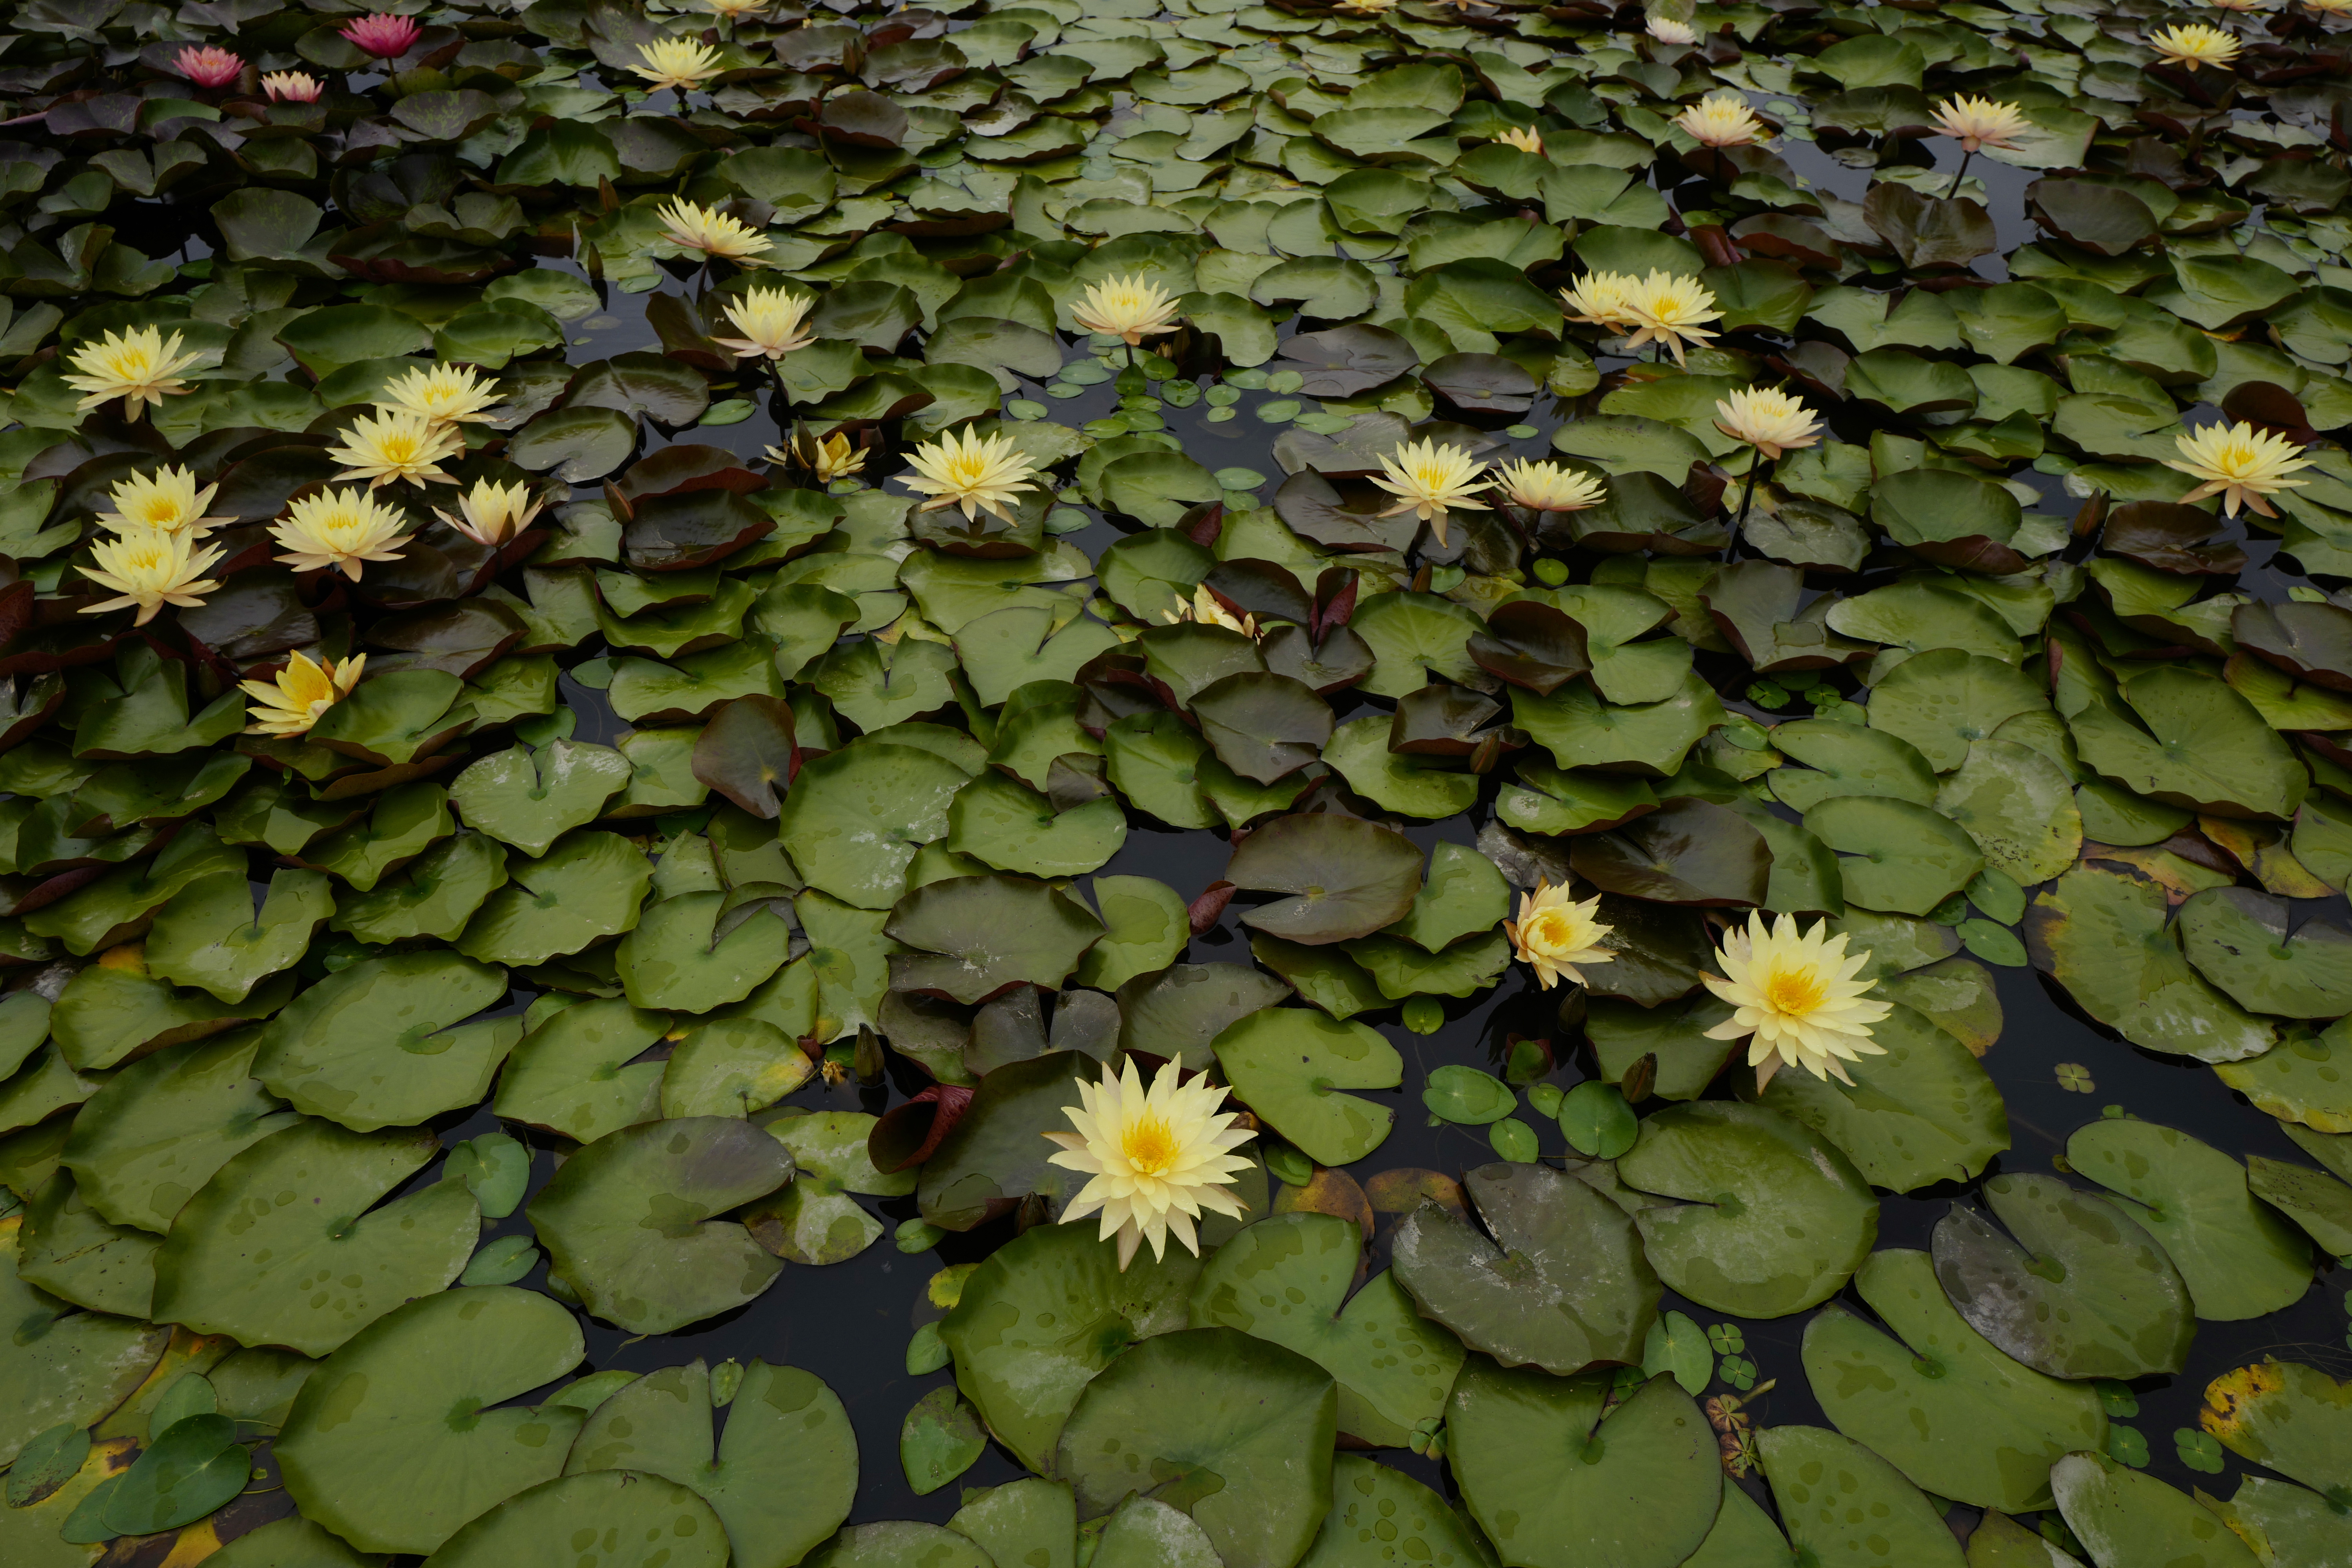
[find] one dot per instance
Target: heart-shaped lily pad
(374, 1045)
(2238, 1258)
(1349, 877)
(530, 799)
(1288, 1063)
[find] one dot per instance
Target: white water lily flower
(1157, 1160)
(1795, 998)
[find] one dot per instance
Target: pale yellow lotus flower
(829, 460)
(1794, 998)
(1979, 122)
(344, 529)
(712, 232)
(2239, 464)
(167, 500)
(2193, 44)
(680, 63)
(2243, 7)
(961, 470)
(1367, 7)
(1156, 1160)
(292, 86)
(1205, 610)
(302, 694)
(1666, 30)
(393, 446)
(2329, 7)
(441, 394)
(1430, 481)
(1599, 300)
(1522, 137)
(1547, 487)
(771, 322)
(1554, 934)
(1668, 308)
(1128, 309)
(490, 514)
(731, 9)
(1767, 419)
(150, 569)
(1720, 120)
(137, 366)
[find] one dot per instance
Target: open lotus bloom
(385, 37)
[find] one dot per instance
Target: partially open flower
(772, 322)
(1554, 934)
(1128, 309)
(2193, 44)
(1666, 30)
(138, 367)
(680, 63)
(2239, 464)
(210, 66)
(1205, 611)
(829, 460)
(1599, 300)
(1795, 998)
(1668, 308)
(1429, 480)
(1156, 1160)
(714, 233)
(1979, 122)
(1767, 419)
(165, 501)
(395, 445)
(962, 470)
(491, 513)
(2329, 7)
(1367, 7)
(150, 569)
(292, 86)
(731, 9)
(1547, 487)
(443, 394)
(341, 529)
(385, 37)
(1522, 137)
(1720, 120)
(300, 696)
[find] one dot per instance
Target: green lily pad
(1894, 855)
(577, 1073)
(2283, 1415)
(2320, 1204)
(163, 1125)
(627, 1221)
(1772, 1217)
(974, 937)
(1147, 928)
(190, 1469)
(897, 1545)
(1005, 824)
(1922, 1111)
(433, 896)
(2082, 1290)
(1945, 699)
(240, 1261)
(1562, 1285)
(2104, 936)
(854, 819)
(1944, 1404)
(1178, 1012)
(1581, 729)
(1288, 1063)
(1283, 1279)
(732, 1067)
(676, 960)
(1349, 877)
(539, 1527)
(380, 1045)
(1848, 1508)
(1233, 1430)
(67, 1249)
(1378, 1514)
(1847, 759)
(2204, 747)
(996, 1154)
(2236, 938)
(211, 937)
(62, 1367)
(589, 885)
(2238, 1258)
(2122, 1517)
(531, 799)
(2018, 806)
(1549, 1477)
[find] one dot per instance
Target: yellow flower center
(1151, 1146)
(1795, 992)
(1551, 930)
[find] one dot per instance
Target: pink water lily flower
(385, 37)
(208, 67)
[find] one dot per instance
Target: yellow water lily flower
(395, 445)
(1522, 137)
(166, 499)
(1430, 481)
(680, 63)
(771, 322)
(962, 469)
(1554, 933)
(1979, 122)
(150, 569)
(1666, 30)
(2193, 44)
(303, 691)
(1547, 487)
(1767, 419)
(1599, 300)
(1157, 1160)
(2329, 7)
(1668, 308)
(2239, 464)
(1794, 998)
(1128, 309)
(731, 9)
(1720, 120)
(1205, 610)
(712, 232)
(139, 366)
(492, 514)
(344, 529)
(829, 460)
(442, 394)
(1367, 7)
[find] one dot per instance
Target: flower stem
(1964, 156)
(1755, 466)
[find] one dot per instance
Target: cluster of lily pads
(502, 834)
